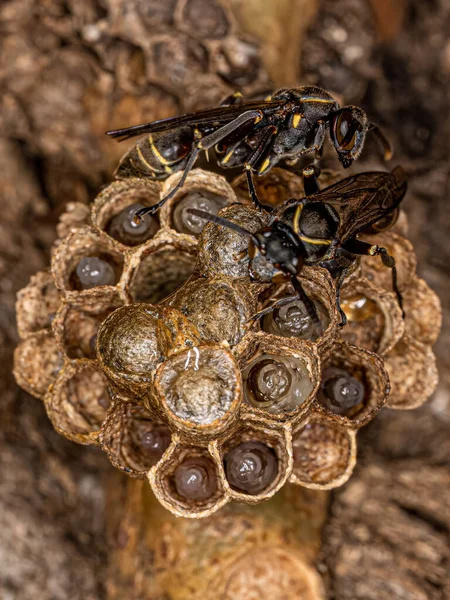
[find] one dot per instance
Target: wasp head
(275, 252)
(348, 130)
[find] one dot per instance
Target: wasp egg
(276, 384)
(92, 271)
(251, 467)
(125, 228)
(339, 390)
(195, 478)
(184, 222)
(293, 320)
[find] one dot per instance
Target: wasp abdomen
(157, 155)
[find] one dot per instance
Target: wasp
(254, 135)
(322, 229)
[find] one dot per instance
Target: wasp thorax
(93, 271)
(128, 230)
(339, 390)
(293, 320)
(185, 222)
(251, 467)
(195, 478)
(276, 383)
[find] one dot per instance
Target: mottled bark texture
(71, 69)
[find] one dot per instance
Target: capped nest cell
(145, 339)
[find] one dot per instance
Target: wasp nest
(143, 339)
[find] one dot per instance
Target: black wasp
(322, 229)
(255, 135)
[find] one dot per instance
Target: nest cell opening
(130, 231)
(37, 304)
(354, 385)
(255, 462)
(200, 199)
(37, 362)
(88, 393)
(324, 454)
(134, 441)
(276, 384)
(79, 332)
(115, 207)
(78, 402)
(365, 322)
(189, 481)
(292, 320)
(160, 273)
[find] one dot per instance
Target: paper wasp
(322, 229)
(254, 135)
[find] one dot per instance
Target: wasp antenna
(219, 221)
(382, 139)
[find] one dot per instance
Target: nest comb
(139, 340)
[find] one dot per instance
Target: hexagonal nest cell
(146, 339)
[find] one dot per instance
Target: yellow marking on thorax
(319, 100)
(373, 250)
(267, 98)
(296, 120)
(264, 166)
(237, 95)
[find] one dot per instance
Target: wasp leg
(233, 100)
(309, 305)
(310, 183)
(261, 153)
(383, 141)
(205, 143)
(364, 249)
(319, 139)
(272, 307)
(252, 191)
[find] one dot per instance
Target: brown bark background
(71, 69)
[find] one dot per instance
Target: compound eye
(341, 127)
(385, 222)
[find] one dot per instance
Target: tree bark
(71, 69)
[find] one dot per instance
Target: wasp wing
(213, 117)
(363, 199)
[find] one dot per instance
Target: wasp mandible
(254, 135)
